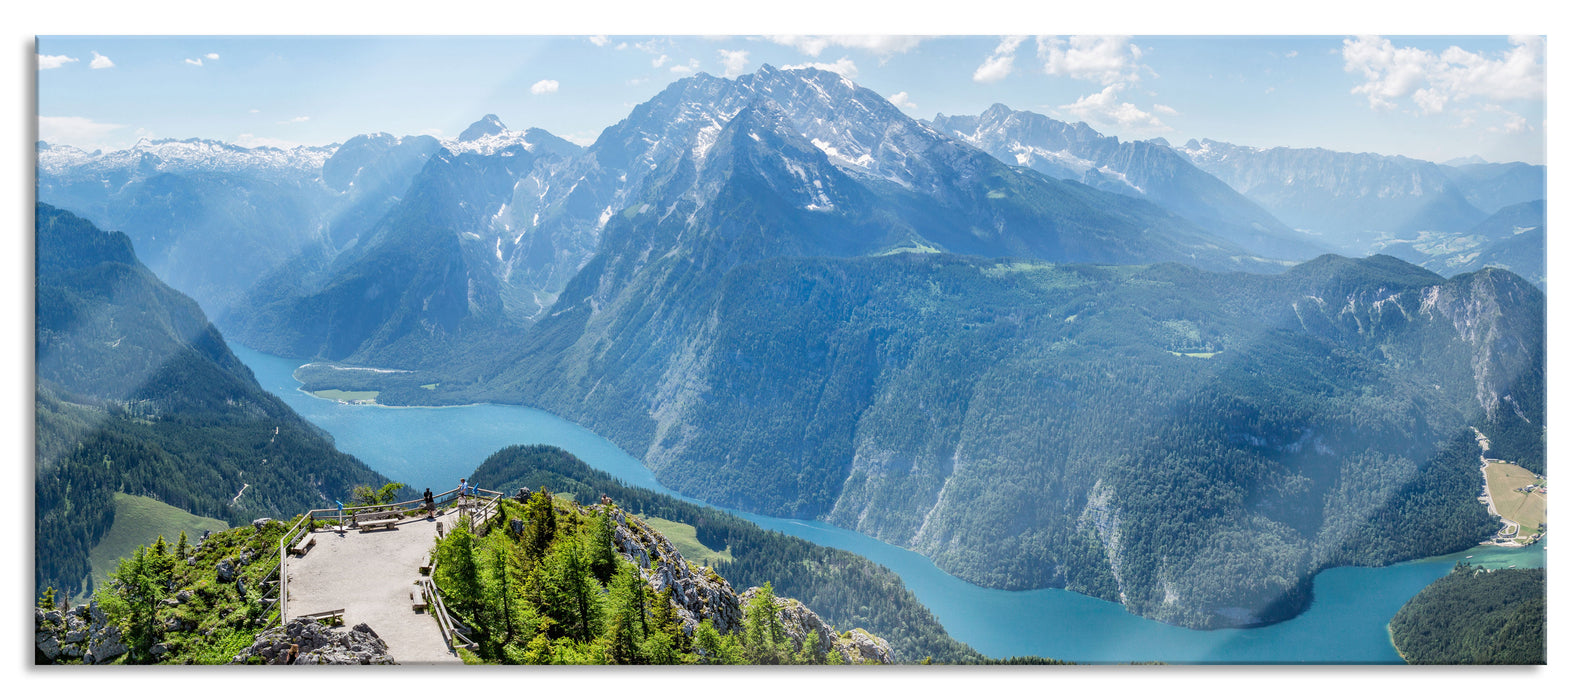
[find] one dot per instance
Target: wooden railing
(447, 624)
(303, 524)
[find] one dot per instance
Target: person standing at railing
(428, 501)
(461, 494)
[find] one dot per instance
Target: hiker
(461, 491)
(428, 501)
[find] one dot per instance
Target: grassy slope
(685, 538)
(140, 520)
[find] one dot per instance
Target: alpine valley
(1184, 379)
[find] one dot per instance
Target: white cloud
(1291, 53)
(998, 64)
(1105, 107)
(294, 120)
(252, 111)
(660, 61)
(690, 67)
(1102, 59)
(212, 56)
(544, 87)
(193, 61)
(599, 40)
(735, 62)
(81, 132)
(101, 61)
(845, 67)
(880, 44)
(902, 100)
(1166, 110)
(48, 62)
(1453, 75)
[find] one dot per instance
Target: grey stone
(261, 522)
(225, 571)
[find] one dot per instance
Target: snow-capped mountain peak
(489, 125)
(186, 155)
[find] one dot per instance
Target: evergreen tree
(715, 648)
(808, 655)
(456, 571)
(764, 639)
(600, 548)
(570, 592)
(138, 592)
(626, 626)
(540, 523)
(501, 593)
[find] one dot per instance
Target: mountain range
(1039, 356)
(1352, 201)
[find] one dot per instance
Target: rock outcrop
(857, 646)
(81, 633)
(699, 594)
(303, 642)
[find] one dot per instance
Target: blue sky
(1429, 97)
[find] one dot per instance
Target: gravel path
(370, 575)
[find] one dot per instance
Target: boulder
(316, 644)
(107, 646)
(225, 571)
(261, 522)
(860, 647)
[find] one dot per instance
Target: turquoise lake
(436, 447)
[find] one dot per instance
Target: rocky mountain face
(435, 266)
(1347, 200)
(1019, 422)
(1146, 169)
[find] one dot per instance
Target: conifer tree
(764, 640)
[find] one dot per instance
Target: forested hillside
(137, 393)
(1476, 616)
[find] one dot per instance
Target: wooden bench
(419, 603)
(329, 617)
(303, 545)
(369, 521)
